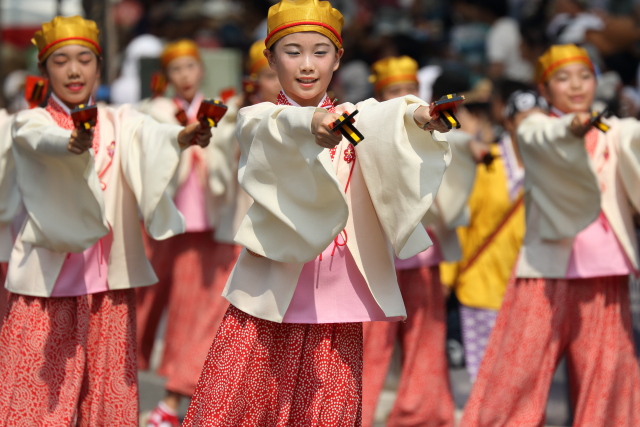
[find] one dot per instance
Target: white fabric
(563, 189)
(10, 201)
(67, 208)
(299, 206)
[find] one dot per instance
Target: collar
(553, 111)
(64, 107)
(325, 102)
(190, 108)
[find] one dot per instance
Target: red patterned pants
(588, 321)
(69, 361)
(424, 393)
(266, 374)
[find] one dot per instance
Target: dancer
(67, 342)
(192, 267)
(424, 393)
(319, 237)
(571, 296)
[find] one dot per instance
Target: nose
(307, 66)
(74, 69)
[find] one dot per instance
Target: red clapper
(345, 126)
(85, 117)
(211, 112)
(35, 90)
(446, 107)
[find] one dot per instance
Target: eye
(321, 52)
(293, 53)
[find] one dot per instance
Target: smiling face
(72, 72)
(304, 63)
(185, 74)
(571, 88)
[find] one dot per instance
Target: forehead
(305, 38)
(182, 60)
(71, 50)
(575, 67)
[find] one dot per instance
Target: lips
(307, 82)
(75, 87)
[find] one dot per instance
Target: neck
(311, 102)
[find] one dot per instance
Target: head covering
(558, 56)
(184, 47)
(392, 70)
(295, 16)
(257, 60)
(63, 31)
(521, 101)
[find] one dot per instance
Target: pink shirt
(82, 273)
(597, 253)
(331, 288)
(190, 201)
(190, 197)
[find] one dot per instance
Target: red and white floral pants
(69, 361)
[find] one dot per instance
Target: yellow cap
(63, 31)
(296, 16)
(184, 47)
(558, 56)
(257, 60)
(394, 69)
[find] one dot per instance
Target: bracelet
(424, 127)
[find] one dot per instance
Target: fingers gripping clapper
(345, 126)
(445, 107)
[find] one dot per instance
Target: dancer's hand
(321, 128)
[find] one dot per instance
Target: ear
(339, 54)
(271, 58)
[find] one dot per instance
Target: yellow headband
(392, 70)
(558, 56)
(296, 16)
(257, 60)
(180, 48)
(63, 31)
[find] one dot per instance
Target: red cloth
(588, 321)
(424, 393)
(69, 361)
(4, 293)
(151, 301)
(201, 267)
(262, 373)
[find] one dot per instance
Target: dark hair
(451, 81)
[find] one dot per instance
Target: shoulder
(31, 115)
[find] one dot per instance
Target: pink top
(597, 253)
(86, 272)
(331, 288)
(190, 198)
(429, 258)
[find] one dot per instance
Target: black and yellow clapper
(446, 107)
(84, 116)
(211, 112)
(596, 120)
(345, 126)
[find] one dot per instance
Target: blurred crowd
(470, 39)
